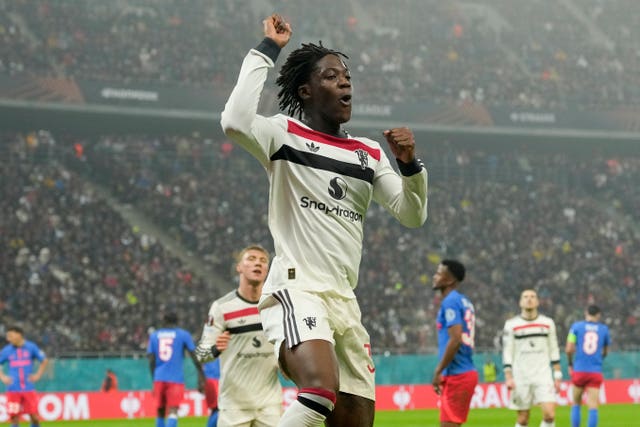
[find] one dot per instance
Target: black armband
(269, 48)
(215, 352)
(411, 168)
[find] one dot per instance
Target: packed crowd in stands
(505, 53)
(563, 221)
(72, 271)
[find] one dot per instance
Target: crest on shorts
(310, 322)
(363, 157)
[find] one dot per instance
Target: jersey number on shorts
(590, 342)
(166, 349)
(468, 338)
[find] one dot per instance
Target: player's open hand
(436, 382)
(222, 342)
(277, 29)
(6, 380)
(402, 143)
(511, 384)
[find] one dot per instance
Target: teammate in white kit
(530, 347)
(322, 181)
(250, 394)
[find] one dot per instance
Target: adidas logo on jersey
(313, 147)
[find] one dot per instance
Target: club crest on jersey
(363, 157)
(312, 147)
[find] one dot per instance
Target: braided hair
(296, 71)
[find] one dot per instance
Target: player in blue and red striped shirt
(20, 354)
(588, 341)
(455, 377)
(166, 354)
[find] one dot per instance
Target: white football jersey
(320, 189)
(248, 367)
(529, 348)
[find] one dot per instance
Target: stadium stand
(562, 221)
(517, 53)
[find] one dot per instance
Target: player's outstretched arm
(239, 120)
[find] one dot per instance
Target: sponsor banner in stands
(155, 97)
(560, 119)
(212, 100)
(141, 404)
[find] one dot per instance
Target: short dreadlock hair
(296, 71)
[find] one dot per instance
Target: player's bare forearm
(4, 378)
(43, 365)
(201, 377)
(453, 345)
(449, 353)
(152, 365)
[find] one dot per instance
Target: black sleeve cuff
(215, 351)
(269, 48)
(409, 169)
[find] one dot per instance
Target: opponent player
(588, 341)
(530, 347)
(322, 181)
(20, 355)
(455, 377)
(212, 373)
(166, 354)
(250, 391)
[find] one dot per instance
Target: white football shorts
(292, 316)
(263, 417)
(524, 396)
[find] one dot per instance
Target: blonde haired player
(530, 347)
(250, 394)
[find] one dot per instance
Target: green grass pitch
(610, 416)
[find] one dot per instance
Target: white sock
(298, 415)
(546, 424)
(520, 425)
